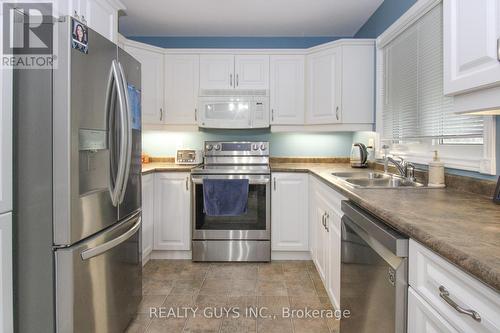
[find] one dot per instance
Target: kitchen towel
(225, 197)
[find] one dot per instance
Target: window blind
(414, 106)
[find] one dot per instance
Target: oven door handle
(260, 181)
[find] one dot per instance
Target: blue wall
(234, 42)
(388, 12)
(163, 143)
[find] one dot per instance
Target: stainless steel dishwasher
(373, 274)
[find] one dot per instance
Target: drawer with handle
(465, 302)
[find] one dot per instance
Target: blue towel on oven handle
(225, 197)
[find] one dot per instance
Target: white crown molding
(236, 51)
(341, 42)
(139, 45)
(419, 9)
(117, 4)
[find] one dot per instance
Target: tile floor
(182, 283)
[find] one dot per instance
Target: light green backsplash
(165, 143)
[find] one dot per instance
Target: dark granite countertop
(462, 227)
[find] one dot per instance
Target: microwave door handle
(100, 249)
(128, 140)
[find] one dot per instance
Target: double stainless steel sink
(374, 179)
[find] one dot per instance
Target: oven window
(254, 219)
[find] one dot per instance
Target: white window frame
(478, 158)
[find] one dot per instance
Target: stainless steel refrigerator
(77, 141)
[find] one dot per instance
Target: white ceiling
(245, 17)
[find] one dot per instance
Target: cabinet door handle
(327, 216)
(161, 114)
(445, 294)
(274, 183)
(498, 49)
(272, 114)
(237, 79)
(195, 114)
(337, 113)
(230, 80)
(187, 183)
(323, 220)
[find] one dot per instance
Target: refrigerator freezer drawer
(99, 281)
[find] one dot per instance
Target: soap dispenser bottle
(436, 172)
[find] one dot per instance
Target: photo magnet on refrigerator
(79, 36)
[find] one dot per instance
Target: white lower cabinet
(448, 290)
(6, 286)
(320, 259)
(422, 318)
(172, 208)
(325, 219)
(147, 213)
(334, 239)
(289, 213)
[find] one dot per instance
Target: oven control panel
(251, 148)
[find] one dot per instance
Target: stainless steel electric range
(244, 237)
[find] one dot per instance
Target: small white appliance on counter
(232, 109)
(188, 156)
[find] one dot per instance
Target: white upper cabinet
(289, 213)
(151, 82)
(100, 15)
(181, 88)
(358, 83)
(172, 216)
(471, 45)
(341, 84)
(227, 71)
(324, 74)
(287, 89)
(147, 214)
(217, 71)
(251, 72)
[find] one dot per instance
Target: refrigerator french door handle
(115, 181)
(123, 82)
(100, 249)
